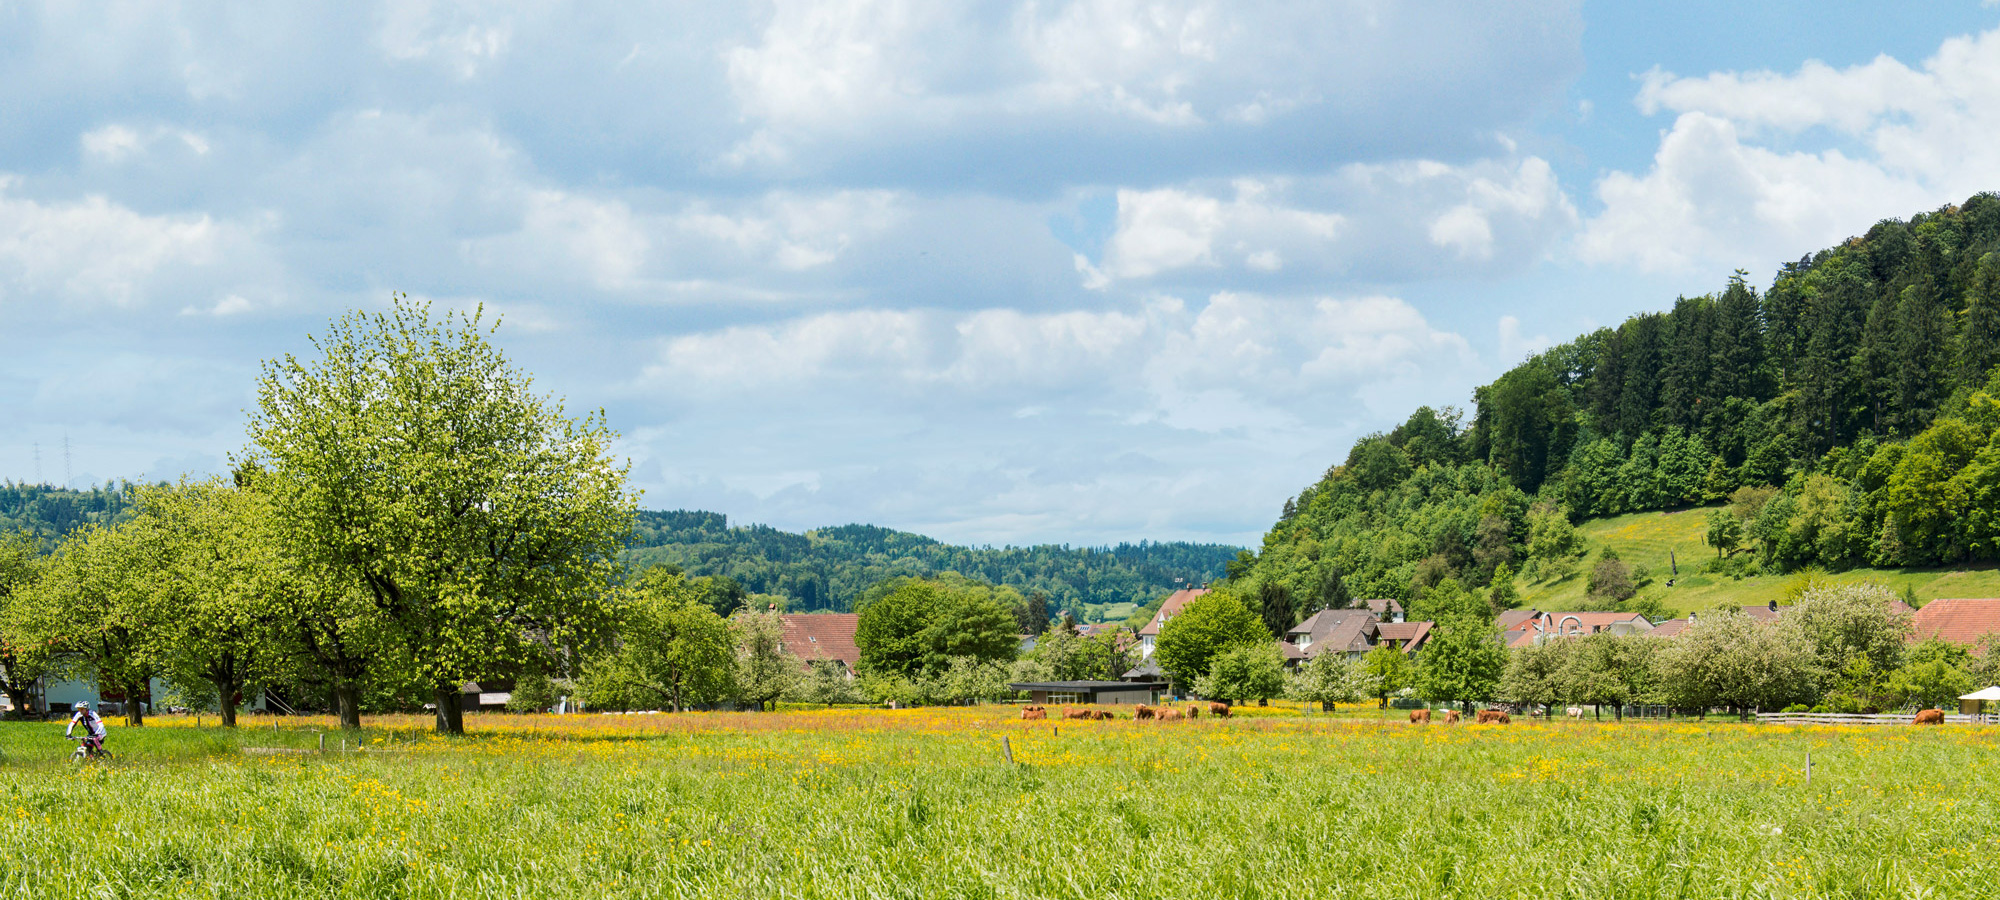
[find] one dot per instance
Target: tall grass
(869, 803)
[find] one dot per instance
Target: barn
(1104, 692)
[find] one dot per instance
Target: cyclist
(93, 727)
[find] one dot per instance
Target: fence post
(1808, 767)
(1007, 750)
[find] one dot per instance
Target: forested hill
(829, 567)
(50, 512)
(1848, 411)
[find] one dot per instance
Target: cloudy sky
(1047, 271)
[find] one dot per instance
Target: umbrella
(1992, 693)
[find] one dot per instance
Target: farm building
(1528, 627)
(1106, 692)
(811, 636)
(1960, 621)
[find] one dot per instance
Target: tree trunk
(135, 711)
(225, 693)
(347, 699)
(18, 700)
(450, 710)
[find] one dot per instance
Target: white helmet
(81, 705)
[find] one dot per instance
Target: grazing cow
(1103, 714)
(1167, 715)
(1451, 718)
(1420, 717)
(1492, 717)
(1193, 711)
(1929, 717)
(1575, 712)
(1219, 710)
(1079, 714)
(1143, 712)
(1034, 712)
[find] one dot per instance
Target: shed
(1975, 703)
(1108, 692)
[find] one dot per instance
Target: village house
(1352, 633)
(1532, 627)
(1150, 634)
(1959, 621)
(830, 636)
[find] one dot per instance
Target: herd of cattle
(1482, 717)
(1154, 713)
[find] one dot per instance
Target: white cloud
(117, 143)
(463, 37)
(1730, 187)
(94, 251)
(1384, 219)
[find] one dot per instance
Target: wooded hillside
(828, 568)
(1848, 412)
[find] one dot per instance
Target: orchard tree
(764, 670)
(671, 650)
(85, 609)
(23, 662)
(1534, 674)
(1845, 622)
(212, 560)
(1462, 661)
(409, 458)
(914, 627)
(1330, 678)
(1206, 626)
(1389, 670)
(1244, 672)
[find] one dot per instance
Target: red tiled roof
(1669, 628)
(1339, 630)
(1958, 621)
(1290, 651)
(1410, 635)
(811, 636)
(1588, 621)
(1170, 609)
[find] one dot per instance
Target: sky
(1047, 271)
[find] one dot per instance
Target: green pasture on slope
(923, 803)
(1647, 539)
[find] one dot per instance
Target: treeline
(830, 568)
(48, 513)
(1855, 399)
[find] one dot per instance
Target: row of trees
(1843, 649)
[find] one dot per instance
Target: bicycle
(84, 750)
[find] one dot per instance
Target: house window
(1068, 697)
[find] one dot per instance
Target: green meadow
(925, 803)
(1655, 540)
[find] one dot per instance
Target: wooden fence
(1783, 718)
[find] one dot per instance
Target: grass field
(921, 803)
(1648, 538)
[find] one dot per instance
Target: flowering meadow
(924, 803)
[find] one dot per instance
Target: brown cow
(1034, 712)
(1167, 715)
(1193, 711)
(1420, 717)
(1079, 714)
(1451, 718)
(1143, 712)
(1102, 714)
(1492, 717)
(1218, 710)
(1929, 717)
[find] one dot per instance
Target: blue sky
(1000, 272)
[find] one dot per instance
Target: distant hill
(828, 568)
(51, 512)
(1849, 414)
(824, 569)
